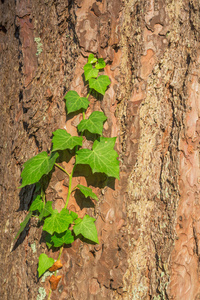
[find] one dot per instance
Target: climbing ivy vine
(63, 227)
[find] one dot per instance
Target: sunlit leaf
(102, 158)
(74, 102)
(57, 222)
(86, 228)
(100, 84)
(91, 59)
(36, 167)
(63, 140)
(87, 192)
(94, 123)
(101, 64)
(90, 72)
(44, 264)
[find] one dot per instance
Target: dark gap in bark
(3, 29)
(20, 95)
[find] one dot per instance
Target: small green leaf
(101, 64)
(90, 72)
(57, 222)
(100, 84)
(46, 211)
(63, 140)
(94, 124)
(44, 264)
(48, 240)
(87, 192)
(73, 215)
(23, 224)
(87, 229)
(91, 59)
(36, 167)
(74, 102)
(62, 238)
(37, 204)
(102, 158)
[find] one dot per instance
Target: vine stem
(70, 187)
(68, 194)
(57, 165)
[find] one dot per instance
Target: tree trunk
(148, 222)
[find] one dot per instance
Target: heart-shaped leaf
(101, 64)
(36, 167)
(74, 102)
(91, 59)
(44, 264)
(100, 84)
(63, 140)
(94, 123)
(87, 229)
(90, 72)
(102, 158)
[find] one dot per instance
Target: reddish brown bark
(148, 221)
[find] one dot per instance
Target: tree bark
(148, 222)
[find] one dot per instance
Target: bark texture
(148, 222)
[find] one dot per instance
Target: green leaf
(57, 222)
(62, 238)
(102, 158)
(100, 84)
(44, 264)
(90, 72)
(91, 59)
(74, 102)
(94, 124)
(87, 192)
(37, 204)
(23, 224)
(36, 167)
(101, 64)
(46, 211)
(87, 229)
(63, 140)
(73, 215)
(48, 240)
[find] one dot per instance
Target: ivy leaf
(48, 240)
(87, 229)
(36, 167)
(101, 64)
(91, 59)
(63, 140)
(100, 84)
(46, 211)
(87, 192)
(74, 102)
(57, 222)
(62, 238)
(37, 204)
(94, 123)
(73, 215)
(102, 158)
(90, 72)
(23, 224)
(44, 264)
